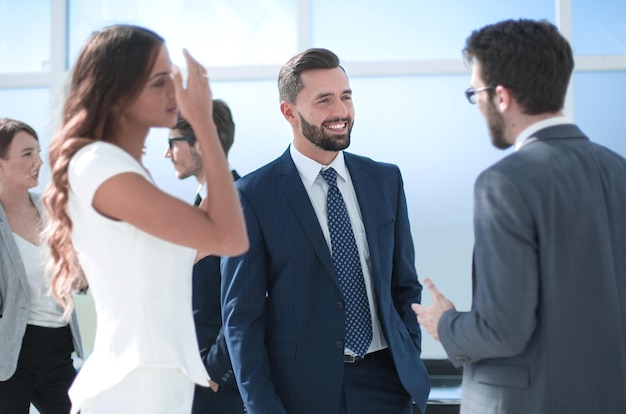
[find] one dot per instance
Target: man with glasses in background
(547, 329)
(184, 151)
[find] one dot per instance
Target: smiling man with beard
(317, 315)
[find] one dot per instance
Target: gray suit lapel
(12, 254)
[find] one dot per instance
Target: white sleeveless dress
(141, 287)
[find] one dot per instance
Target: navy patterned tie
(348, 268)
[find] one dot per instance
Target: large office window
(218, 33)
(599, 28)
(30, 105)
(600, 107)
(366, 30)
(24, 35)
(406, 71)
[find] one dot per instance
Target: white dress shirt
(531, 129)
(317, 189)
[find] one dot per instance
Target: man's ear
(289, 112)
(196, 145)
(504, 98)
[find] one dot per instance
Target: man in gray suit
(547, 329)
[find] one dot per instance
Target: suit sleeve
(208, 321)
(1, 296)
(506, 277)
(244, 287)
(405, 286)
(217, 363)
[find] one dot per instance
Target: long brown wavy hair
(109, 74)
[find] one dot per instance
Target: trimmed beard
(196, 160)
(327, 142)
(497, 127)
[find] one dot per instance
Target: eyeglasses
(189, 138)
(470, 93)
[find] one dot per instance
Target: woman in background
(35, 342)
(132, 244)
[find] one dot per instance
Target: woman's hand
(196, 101)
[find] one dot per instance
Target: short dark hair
(8, 129)
(223, 119)
(184, 127)
(531, 58)
(289, 81)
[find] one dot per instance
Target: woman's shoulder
(97, 162)
(100, 149)
(102, 155)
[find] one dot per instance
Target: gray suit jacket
(547, 329)
(14, 300)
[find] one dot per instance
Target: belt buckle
(350, 359)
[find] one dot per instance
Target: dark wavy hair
(531, 58)
(110, 72)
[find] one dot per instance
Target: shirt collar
(537, 126)
(309, 169)
(202, 190)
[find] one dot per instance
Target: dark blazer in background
(207, 316)
(547, 329)
(283, 315)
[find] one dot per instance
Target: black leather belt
(350, 359)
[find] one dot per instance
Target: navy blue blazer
(282, 305)
(207, 315)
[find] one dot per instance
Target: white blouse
(44, 309)
(141, 284)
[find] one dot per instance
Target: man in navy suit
(184, 151)
(284, 308)
(546, 333)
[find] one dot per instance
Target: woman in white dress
(113, 230)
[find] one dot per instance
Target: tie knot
(330, 175)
